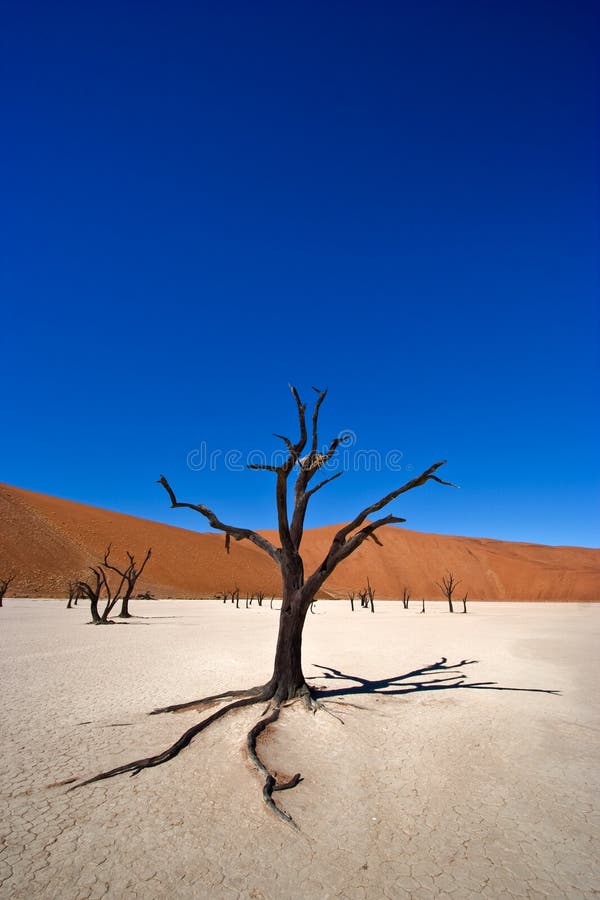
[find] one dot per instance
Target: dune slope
(48, 541)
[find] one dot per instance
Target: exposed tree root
(318, 704)
(270, 714)
(171, 752)
(270, 784)
(259, 693)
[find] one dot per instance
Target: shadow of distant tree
(417, 681)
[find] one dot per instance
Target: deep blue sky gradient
(202, 202)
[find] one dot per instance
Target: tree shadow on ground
(417, 681)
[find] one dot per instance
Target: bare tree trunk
(287, 680)
(423, 606)
(124, 611)
(104, 620)
(370, 595)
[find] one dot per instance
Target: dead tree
(287, 682)
(5, 583)
(362, 596)
(74, 594)
(93, 590)
(129, 575)
(464, 602)
(447, 586)
(235, 597)
(260, 596)
(423, 605)
(351, 596)
(370, 596)
(405, 597)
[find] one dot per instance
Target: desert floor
(464, 779)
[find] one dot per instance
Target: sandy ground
(438, 785)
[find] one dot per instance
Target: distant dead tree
(405, 597)
(423, 605)
(260, 596)
(129, 575)
(303, 462)
(351, 598)
(370, 596)
(235, 597)
(366, 597)
(74, 594)
(464, 603)
(5, 583)
(447, 586)
(93, 589)
(145, 595)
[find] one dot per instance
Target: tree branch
(420, 480)
(300, 444)
(322, 484)
(238, 534)
(315, 419)
(344, 542)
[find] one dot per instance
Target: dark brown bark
(287, 680)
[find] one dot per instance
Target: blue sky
(203, 202)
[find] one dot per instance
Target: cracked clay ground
(447, 787)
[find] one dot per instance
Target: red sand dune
(48, 541)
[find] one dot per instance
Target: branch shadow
(410, 683)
